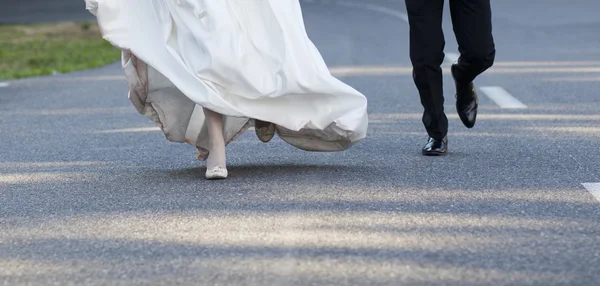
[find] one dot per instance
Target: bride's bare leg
(216, 163)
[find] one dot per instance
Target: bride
(207, 70)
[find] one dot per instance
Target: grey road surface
(91, 193)
(37, 11)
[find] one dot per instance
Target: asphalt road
(91, 194)
(36, 11)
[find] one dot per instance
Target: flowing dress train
(245, 59)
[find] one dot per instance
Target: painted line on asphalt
(451, 58)
(377, 8)
(573, 79)
(127, 130)
(594, 189)
(4, 84)
(502, 98)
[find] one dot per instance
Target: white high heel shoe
(216, 173)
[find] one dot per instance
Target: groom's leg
(472, 22)
(427, 54)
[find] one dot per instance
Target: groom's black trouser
(472, 24)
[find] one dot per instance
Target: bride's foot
(216, 162)
(264, 130)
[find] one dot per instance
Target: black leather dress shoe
(467, 100)
(435, 147)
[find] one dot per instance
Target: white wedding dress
(245, 59)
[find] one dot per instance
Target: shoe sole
(464, 121)
(215, 178)
(433, 154)
(265, 133)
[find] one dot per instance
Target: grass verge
(43, 49)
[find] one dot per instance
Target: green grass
(42, 49)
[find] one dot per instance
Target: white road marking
(502, 98)
(377, 8)
(4, 84)
(574, 79)
(594, 189)
(451, 58)
(128, 130)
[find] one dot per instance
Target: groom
(471, 20)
